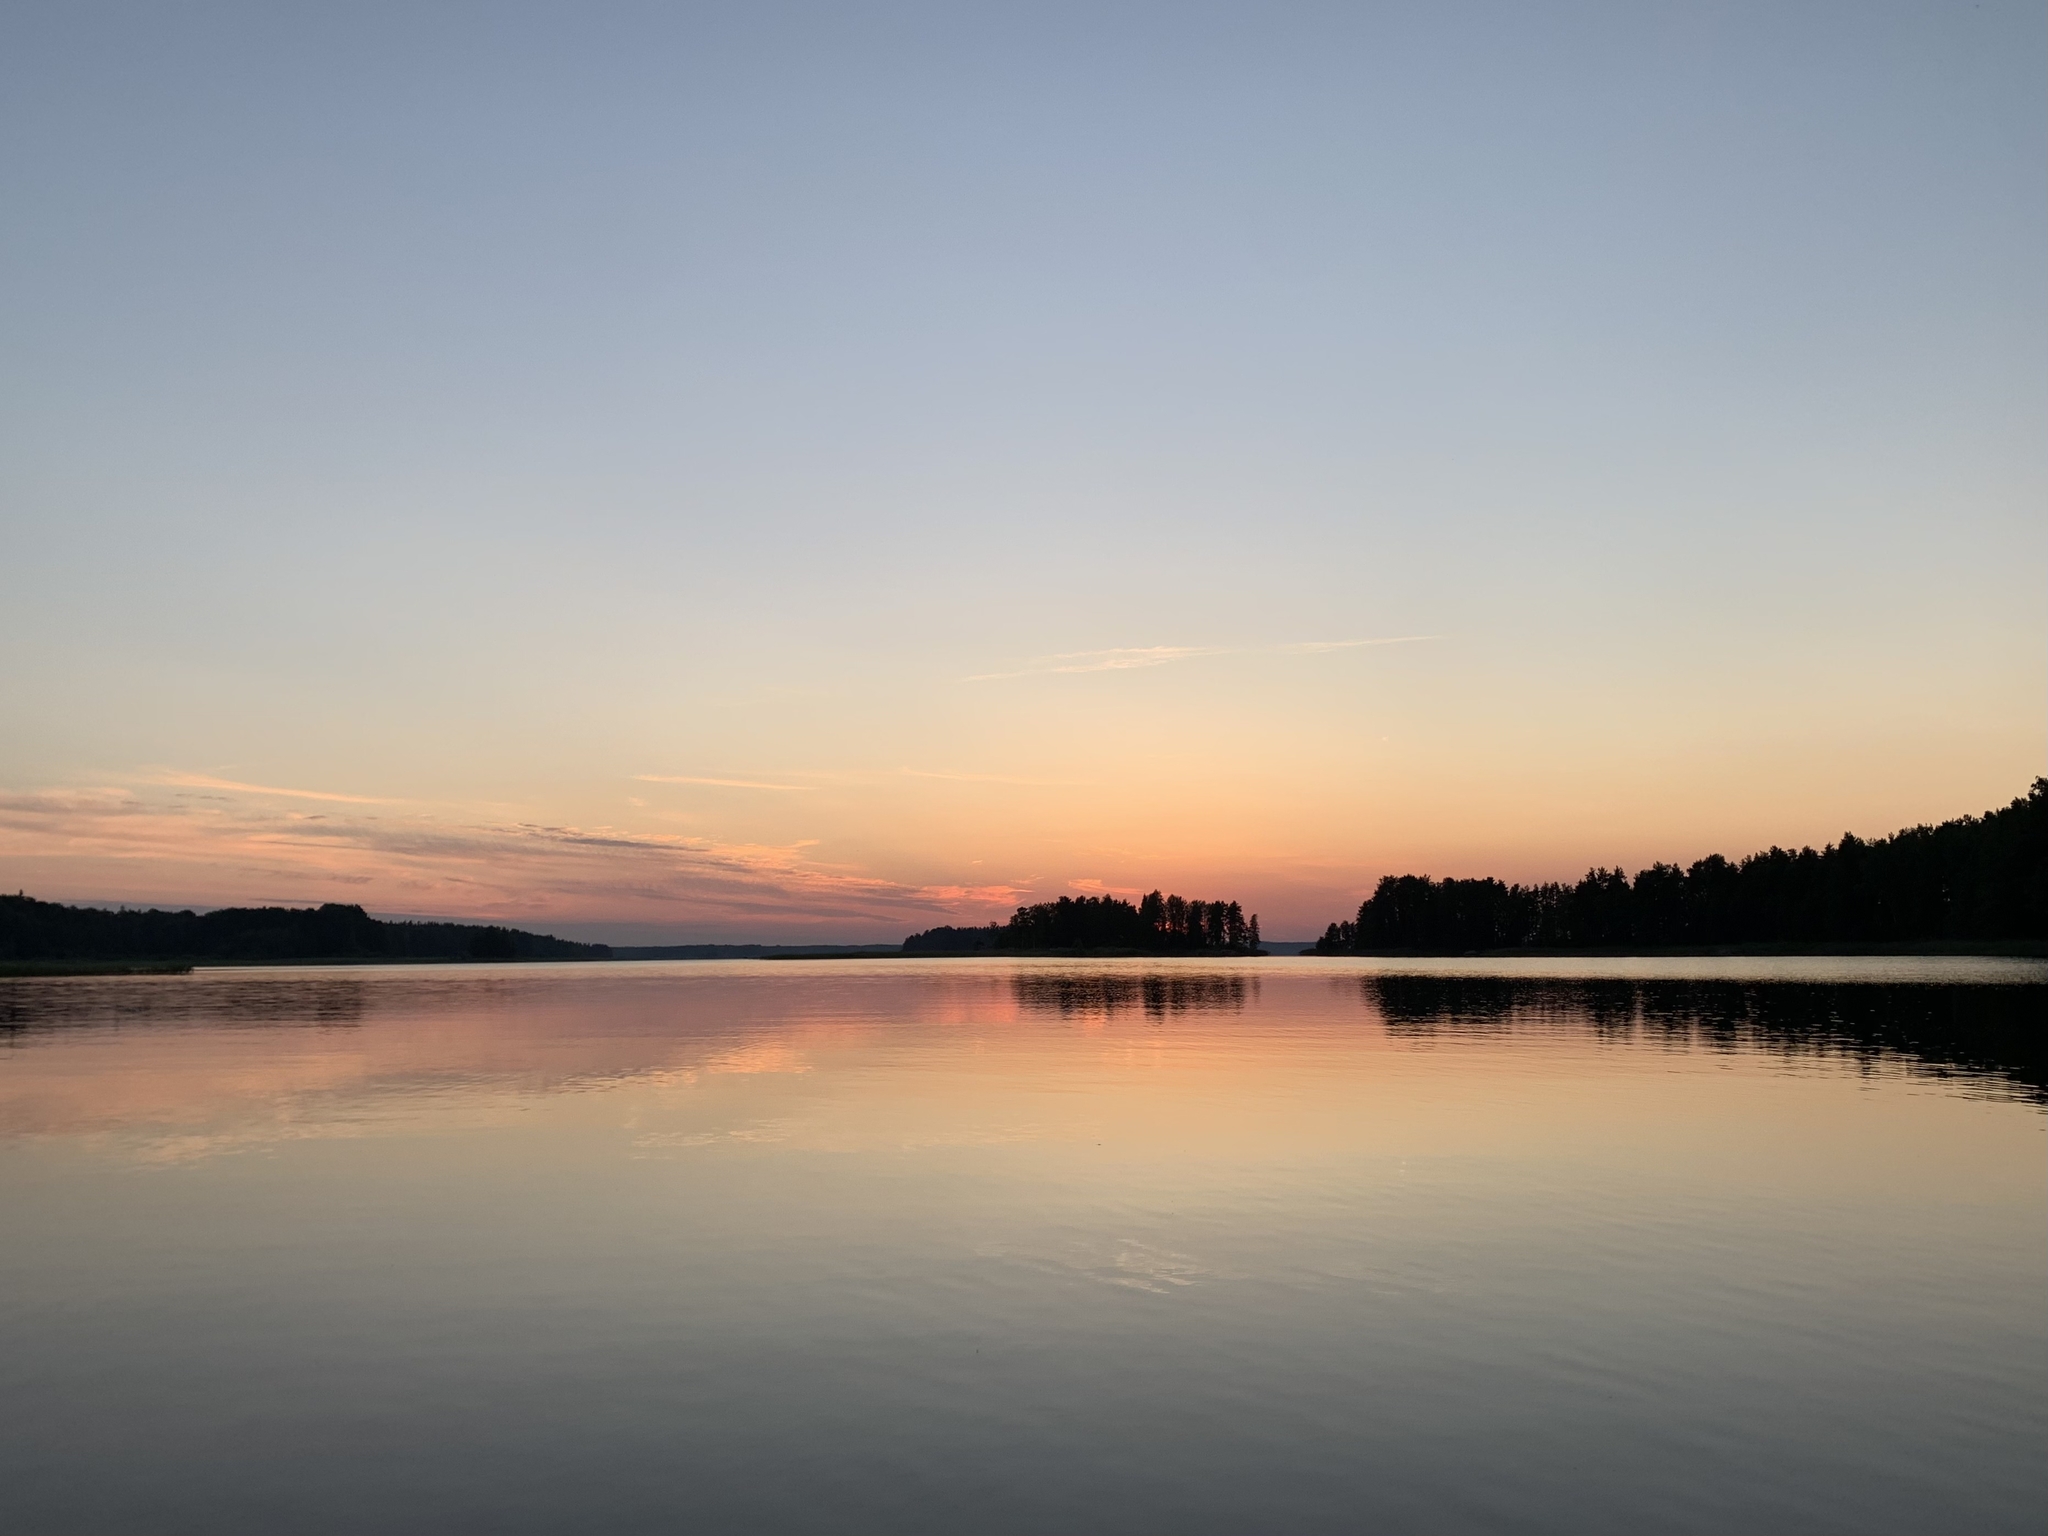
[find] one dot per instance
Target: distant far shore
(2026, 949)
(39, 938)
(2006, 948)
(2009, 948)
(10, 968)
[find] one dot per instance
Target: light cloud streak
(1130, 658)
(201, 781)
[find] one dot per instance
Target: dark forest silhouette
(45, 931)
(1158, 925)
(1976, 878)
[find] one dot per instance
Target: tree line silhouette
(1978, 877)
(35, 930)
(1157, 925)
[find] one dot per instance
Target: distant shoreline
(10, 969)
(2024, 949)
(2035, 949)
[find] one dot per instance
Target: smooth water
(966, 1246)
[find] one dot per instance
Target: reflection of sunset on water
(980, 1213)
(1250, 1060)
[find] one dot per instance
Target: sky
(669, 473)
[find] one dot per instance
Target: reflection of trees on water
(1988, 1029)
(116, 1000)
(1082, 992)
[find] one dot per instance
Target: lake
(1286, 1245)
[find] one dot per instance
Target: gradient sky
(755, 472)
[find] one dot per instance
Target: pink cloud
(145, 844)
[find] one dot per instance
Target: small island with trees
(1104, 925)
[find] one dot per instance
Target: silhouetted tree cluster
(1979, 877)
(1158, 925)
(45, 930)
(955, 941)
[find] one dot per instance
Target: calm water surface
(961, 1246)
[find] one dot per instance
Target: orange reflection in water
(1189, 1071)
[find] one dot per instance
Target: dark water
(970, 1246)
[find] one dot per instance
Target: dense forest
(1158, 925)
(1976, 878)
(32, 930)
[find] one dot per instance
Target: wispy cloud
(1127, 658)
(1088, 885)
(684, 778)
(1121, 659)
(201, 781)
(151, 843)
